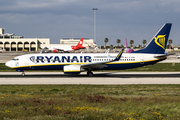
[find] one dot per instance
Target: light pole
(95, 24)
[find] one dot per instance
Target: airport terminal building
(9, 42)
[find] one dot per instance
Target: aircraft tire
(23, 74)
(90, 74)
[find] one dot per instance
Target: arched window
(33, 46)
(26, 46)
(7, 46)
(1, 45)
(13, 46)
(20, 46)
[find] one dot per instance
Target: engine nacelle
(54, 51)
(75, 47)
(81, 47)
(71, 69)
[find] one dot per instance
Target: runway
(98, 78)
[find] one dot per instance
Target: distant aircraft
(67, 48)
(7, 34)
(128, 50)
(74, 63)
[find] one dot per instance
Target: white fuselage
(63, 48)
(54, 61)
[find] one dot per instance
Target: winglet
(119, 55)
(107, 51)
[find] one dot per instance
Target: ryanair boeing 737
(74, 63)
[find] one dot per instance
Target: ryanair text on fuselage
(53, 59)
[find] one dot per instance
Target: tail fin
(80, 43)
(158, 43)
(107, 51)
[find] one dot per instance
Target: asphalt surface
(96, 75)
(98, 78)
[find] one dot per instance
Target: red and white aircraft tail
(67, 48)
(79, 45)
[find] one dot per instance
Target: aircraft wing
(163, 55)
(94, 65)
(101, 64)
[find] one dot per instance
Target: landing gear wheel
(23, 74)
(90, 74)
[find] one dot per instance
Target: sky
(115, 19)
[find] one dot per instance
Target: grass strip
(87, 102)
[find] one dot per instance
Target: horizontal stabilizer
(163, 55)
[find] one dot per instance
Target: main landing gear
(23, 74)
(90, 73)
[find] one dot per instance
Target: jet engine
(75, 47)
(55, 51)
(72, 69)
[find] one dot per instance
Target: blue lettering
(74, 59)
(64, 59)
(87, 58)
(32, 58)
(40, 58)
(81, 59)
(56, 58)
(48, 59)
(67, 59)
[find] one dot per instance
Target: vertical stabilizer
(80, 43)
(158, 43)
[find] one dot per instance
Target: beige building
(29, 44)
(9, 42)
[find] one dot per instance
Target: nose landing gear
(23, 74)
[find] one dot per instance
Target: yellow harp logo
(160, 40)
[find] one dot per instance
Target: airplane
(75, 63)
(7, 34)
(128, 50)
(66, 49)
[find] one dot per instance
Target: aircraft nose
(8, 64)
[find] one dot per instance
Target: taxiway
(98, 78)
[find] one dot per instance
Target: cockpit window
(15, 59)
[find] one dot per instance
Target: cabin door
(26, 61)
